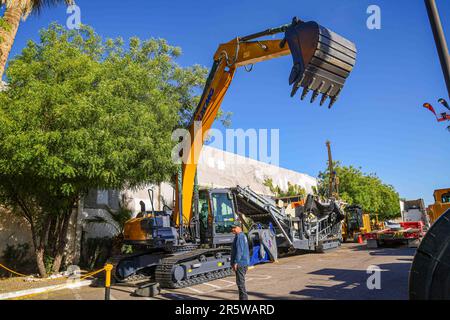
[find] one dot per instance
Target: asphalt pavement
(343, 273)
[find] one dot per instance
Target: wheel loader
(191, 244)
(355, 223)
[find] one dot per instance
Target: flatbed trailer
(410, 233)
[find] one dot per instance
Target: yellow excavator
(191, 244)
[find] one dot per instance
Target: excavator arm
(322, 62)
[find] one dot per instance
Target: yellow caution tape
(53, 289)
(12, 271)
(92, 273)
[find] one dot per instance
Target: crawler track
(164, 271)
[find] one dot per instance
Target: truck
(414, 210)
(409, 233)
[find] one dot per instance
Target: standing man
(240, 258)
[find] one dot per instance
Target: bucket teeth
(322, 100)
(296, 86)
(317, 91)
(322, 60)
(296, 73)
(294, 90)
(314, 96)
(307, 88)
(304, 93)
(326, 95)
(332, 101)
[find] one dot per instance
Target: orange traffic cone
(360, 239)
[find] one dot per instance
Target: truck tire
(372, 243)
(429, 278)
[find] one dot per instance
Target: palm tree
(9, 23)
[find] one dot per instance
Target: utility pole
(439, 38)
(332, 187)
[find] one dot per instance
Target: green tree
(293, 189)
(367, 190)
(15, 11)
(84, 113)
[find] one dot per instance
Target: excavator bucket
(322, 60)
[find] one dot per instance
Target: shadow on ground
(213, 296)
(388, 250)
(353, 284)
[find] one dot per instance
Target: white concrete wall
(14, 230)
(221, 169)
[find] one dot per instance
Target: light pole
(439, 38)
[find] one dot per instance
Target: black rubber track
(429, 278)
(164, 271)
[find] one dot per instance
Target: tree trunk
(78, 231)
(52, 236)
(12, 16)
(40, 262)
(61, 244)
(39, 253)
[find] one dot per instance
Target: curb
(21, 293)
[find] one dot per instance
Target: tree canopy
(367, 190)
(292, 190)
(80, 113)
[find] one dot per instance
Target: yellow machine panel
(366, 223)
(133, 230)
(441, 204)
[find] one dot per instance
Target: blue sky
(377, 123)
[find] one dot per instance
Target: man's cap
(236, 223)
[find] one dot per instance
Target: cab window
(203, 208)
(223, 211)
(446, 197)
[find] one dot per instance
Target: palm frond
(96, 219)
(34, 6)
(102, 220)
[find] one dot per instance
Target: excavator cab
(217, 215)
(322, 60)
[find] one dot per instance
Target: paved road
(338, 274)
